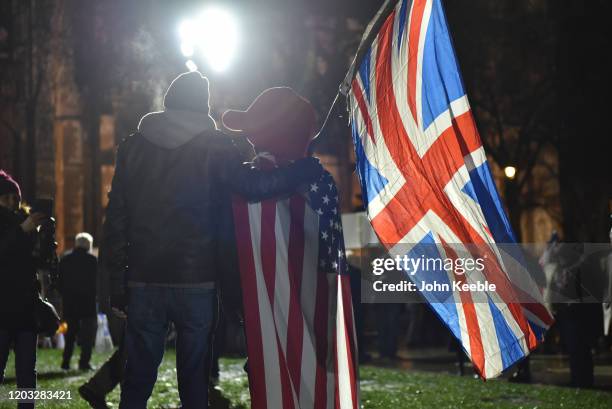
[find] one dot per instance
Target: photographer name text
(434, 286)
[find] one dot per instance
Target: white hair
(83, 240)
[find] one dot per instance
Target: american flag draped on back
(297, 301)
(425, 177)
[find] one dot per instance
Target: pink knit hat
(8, 185)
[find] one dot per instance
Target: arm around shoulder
(257, 185)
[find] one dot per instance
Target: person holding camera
(18, 284)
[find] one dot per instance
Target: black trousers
(576, 335)
(386, 322)
(24, 344)
(85, 329)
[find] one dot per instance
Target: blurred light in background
(212, 35)
(191, 66)
(187, 49)
(510, 172)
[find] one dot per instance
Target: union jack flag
(426, 181)
(297, 301)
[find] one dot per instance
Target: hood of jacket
(171, 128)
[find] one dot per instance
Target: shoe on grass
(90, 396)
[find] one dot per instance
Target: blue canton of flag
(323, 198)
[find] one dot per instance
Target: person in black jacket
(172, 180)
(77, 285)
(18, 285)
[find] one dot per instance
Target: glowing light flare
(187, 49)
(213, 34)
(191, 66)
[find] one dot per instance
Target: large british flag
(426, 181)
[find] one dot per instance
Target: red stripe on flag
(457, 141)
(257, 379)
(295, 329)
(321, 339)
(268, 264)
(268, 246)
(336, 377)
(471, 319)
(285, 378)
(349, 332)
(363, 109)
(540, 311)
(416, 18)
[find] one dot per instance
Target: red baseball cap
(278, 121)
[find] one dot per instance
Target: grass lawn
(380, 388)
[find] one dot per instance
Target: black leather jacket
(162, 218)
(78, 271)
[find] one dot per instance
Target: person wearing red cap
(18, 286)
(279, 123)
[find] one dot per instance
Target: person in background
(575, 314)
(387, 318)
(111, 372)
(18, 285)
(77, 285)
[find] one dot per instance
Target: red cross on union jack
(425, 178)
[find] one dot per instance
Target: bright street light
(510, 172)
(213, 35)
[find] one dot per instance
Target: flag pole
(366, 40)
(329, 113)
(368, 37)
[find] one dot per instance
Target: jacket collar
(172, 128)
